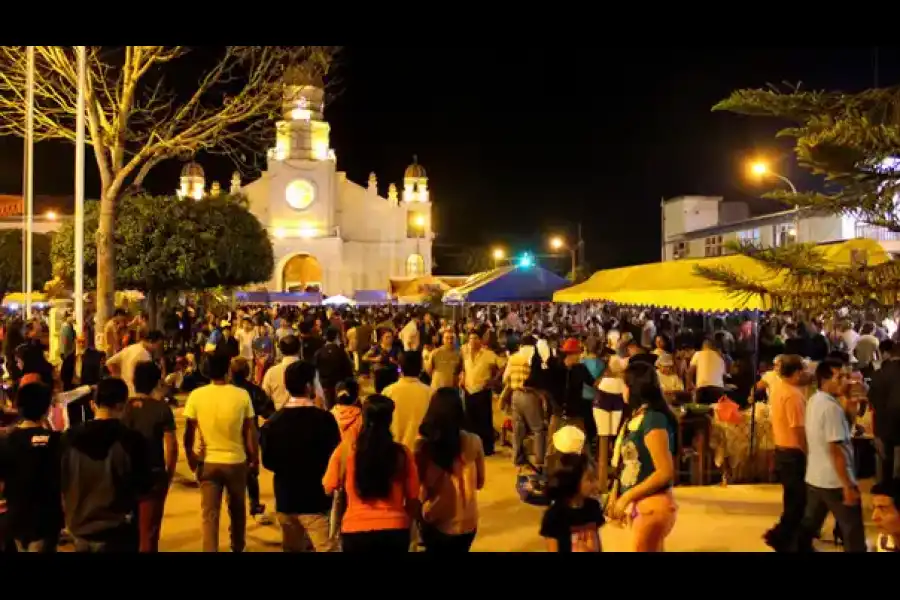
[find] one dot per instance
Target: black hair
(120, 313)
(886, 347)
(378, 456)
(410, 363)
(888, 487)
(217, 366)
(790, 364)
(111, 392)
(644, 389)
(154, 336)
(33, 400)
(385, 377)
(564, 481)
(289, 345)
(442, 428)
(347, 392)
(331, 334)
(146, 377)
(839, 356)
(825, 370)
(240, 369)
(298, 378)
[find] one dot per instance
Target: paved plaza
(711, 519)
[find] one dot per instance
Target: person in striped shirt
(527, 407)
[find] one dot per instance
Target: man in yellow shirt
(223, 414)
(411, 398)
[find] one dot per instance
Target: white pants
(607, 421)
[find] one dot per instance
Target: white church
(327, 231)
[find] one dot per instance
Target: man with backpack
(525, 377)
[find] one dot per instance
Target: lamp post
(558, 244)
(29, 180)
(761, 169)
(79, 191)
(498, 255)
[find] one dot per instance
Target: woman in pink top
(450, 463)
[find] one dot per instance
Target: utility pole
(79, 191)
(29, 181)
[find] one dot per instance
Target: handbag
(338, 499)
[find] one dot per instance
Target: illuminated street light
(558, 244)
(761, 169)
(420, 221)
(498, 254)
(50, 215)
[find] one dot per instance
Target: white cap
(569, 440)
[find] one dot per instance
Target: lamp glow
(50, 215)
(419, 221)
(759, 168)
(499, 254)
(280, 233)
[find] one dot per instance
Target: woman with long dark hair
(381, 484)
(450, 462)
(644, 452)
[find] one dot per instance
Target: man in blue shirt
(831, 483)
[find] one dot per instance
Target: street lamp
(558, 243)
(761, 169)
(50, 215)
(498, 255)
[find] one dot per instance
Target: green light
(526, 261)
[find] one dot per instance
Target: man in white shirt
(411, 399)
(707, 371)
(245, 336)
(122, 364)
(480, 365)
(273, 381)
(409, 335)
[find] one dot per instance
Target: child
(573, 521)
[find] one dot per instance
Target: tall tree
(11, 261)
(853, 141)
(167, 244)
(137, 118)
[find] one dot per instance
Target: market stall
(508, 285)
(742, 443)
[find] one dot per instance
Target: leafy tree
(136, 117)
(164, 244)
(11, 261)
(853, 141)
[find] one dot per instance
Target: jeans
(480, 415)
(819, 502)
(306, 533)
(528, 417)
(253, 489)
(790, 466)
(150, 517)
(214, 480)
(384, 541)
(438, 542)
(121, 541)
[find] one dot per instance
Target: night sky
(520, 145)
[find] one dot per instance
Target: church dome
(415, 170)
(192, 169)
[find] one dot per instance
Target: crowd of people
(376, 422)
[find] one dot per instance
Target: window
(713, 246)
(749, 236)
(415, 265)
(680, 250)
(785, 234)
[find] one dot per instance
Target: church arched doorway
(300, 273)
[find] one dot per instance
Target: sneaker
(259, 509)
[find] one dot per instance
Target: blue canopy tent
(367, 297)
(508, 285)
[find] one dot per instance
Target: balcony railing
(879, 234)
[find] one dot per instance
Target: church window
(415, 265)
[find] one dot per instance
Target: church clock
(300, 194)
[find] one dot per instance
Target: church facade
(327, 231)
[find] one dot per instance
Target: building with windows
(701, 226)
(327, 231)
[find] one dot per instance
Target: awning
(336, 301)
(675, 284)
(508, 285)
(368, 297)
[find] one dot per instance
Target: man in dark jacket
(263, 407)
(333, 365)
(884, 396)
(297, 443)
(105, 472)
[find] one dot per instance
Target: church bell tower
(303, 133)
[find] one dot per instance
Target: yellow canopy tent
(676, 285)
(18, 298)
